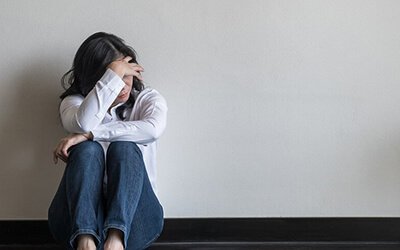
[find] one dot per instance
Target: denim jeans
(82, 205)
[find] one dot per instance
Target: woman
(107, 195)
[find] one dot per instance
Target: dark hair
(90, 63)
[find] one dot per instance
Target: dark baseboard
(279, 230)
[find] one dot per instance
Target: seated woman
(107, 195)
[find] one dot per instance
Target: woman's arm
(81, 115)
(151, 124)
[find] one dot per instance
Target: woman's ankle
(86, 242)
(114, 239)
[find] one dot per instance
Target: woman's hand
(61, 151)
(123, 67)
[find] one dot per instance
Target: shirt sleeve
(81, 115)
(148, 128)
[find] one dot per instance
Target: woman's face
(126, 90)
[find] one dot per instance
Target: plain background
(282, 108)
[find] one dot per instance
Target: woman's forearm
(81, 115)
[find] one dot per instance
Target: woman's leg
(148, 220)
(77, 207)
(131, 206)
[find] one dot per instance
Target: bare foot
(114, 240)
(86, 242)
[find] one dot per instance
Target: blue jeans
(82, 205)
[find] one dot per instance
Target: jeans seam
(155, 237)
(151, 241)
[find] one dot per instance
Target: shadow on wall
(382, 179)
(30, 128)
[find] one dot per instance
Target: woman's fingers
(132, 65)
(64, 152)
(137, 67)
(61, 151)
(135, 70)
(62, 158)
(127, 59)
(139, 76)
(55, 157)
(123, 67)
(56, 153)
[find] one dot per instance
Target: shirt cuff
(112, 81)
(101, 134)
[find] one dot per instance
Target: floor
(276, 246)
(238, 246)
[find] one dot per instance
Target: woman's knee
(86, 156)
(87, 149)
(124, 151)
(123, 148)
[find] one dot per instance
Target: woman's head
(91, 61)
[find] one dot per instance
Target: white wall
(276, 108)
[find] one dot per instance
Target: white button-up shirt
(144, 123)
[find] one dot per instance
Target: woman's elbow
(154, 132)
(157, 132)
